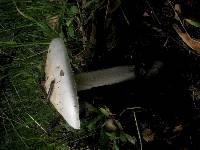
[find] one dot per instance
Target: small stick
(192, 43)
(138, 131)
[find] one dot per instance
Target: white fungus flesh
(60, 84)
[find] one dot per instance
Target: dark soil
(169, 96)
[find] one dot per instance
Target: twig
(106, 15)
(129, 108)
(177, 15)
(125, 17)
(165, 44)
(193, 99)
(154, 14)
(138, 131)
(136, 123)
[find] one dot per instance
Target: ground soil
(170, 96)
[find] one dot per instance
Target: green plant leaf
(123, 137)
(70, 31)
(93, 123)
(131, 139)
(116, 147)
(112, 136)
(193, 22)
(73, 10)
(44, 27)
(105, 111)
(69, 22)
(90, 108)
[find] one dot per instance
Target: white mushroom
(60, 84)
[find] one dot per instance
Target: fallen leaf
(53, 22)
(148, 135)
(118, 124)
(110, 125)
(131, 139)
(178, 129)
(177, 8)
(192, 43)
(193, 22)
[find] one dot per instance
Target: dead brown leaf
(178, 129)
(53, 22)
(148, 135)
(192, 43)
